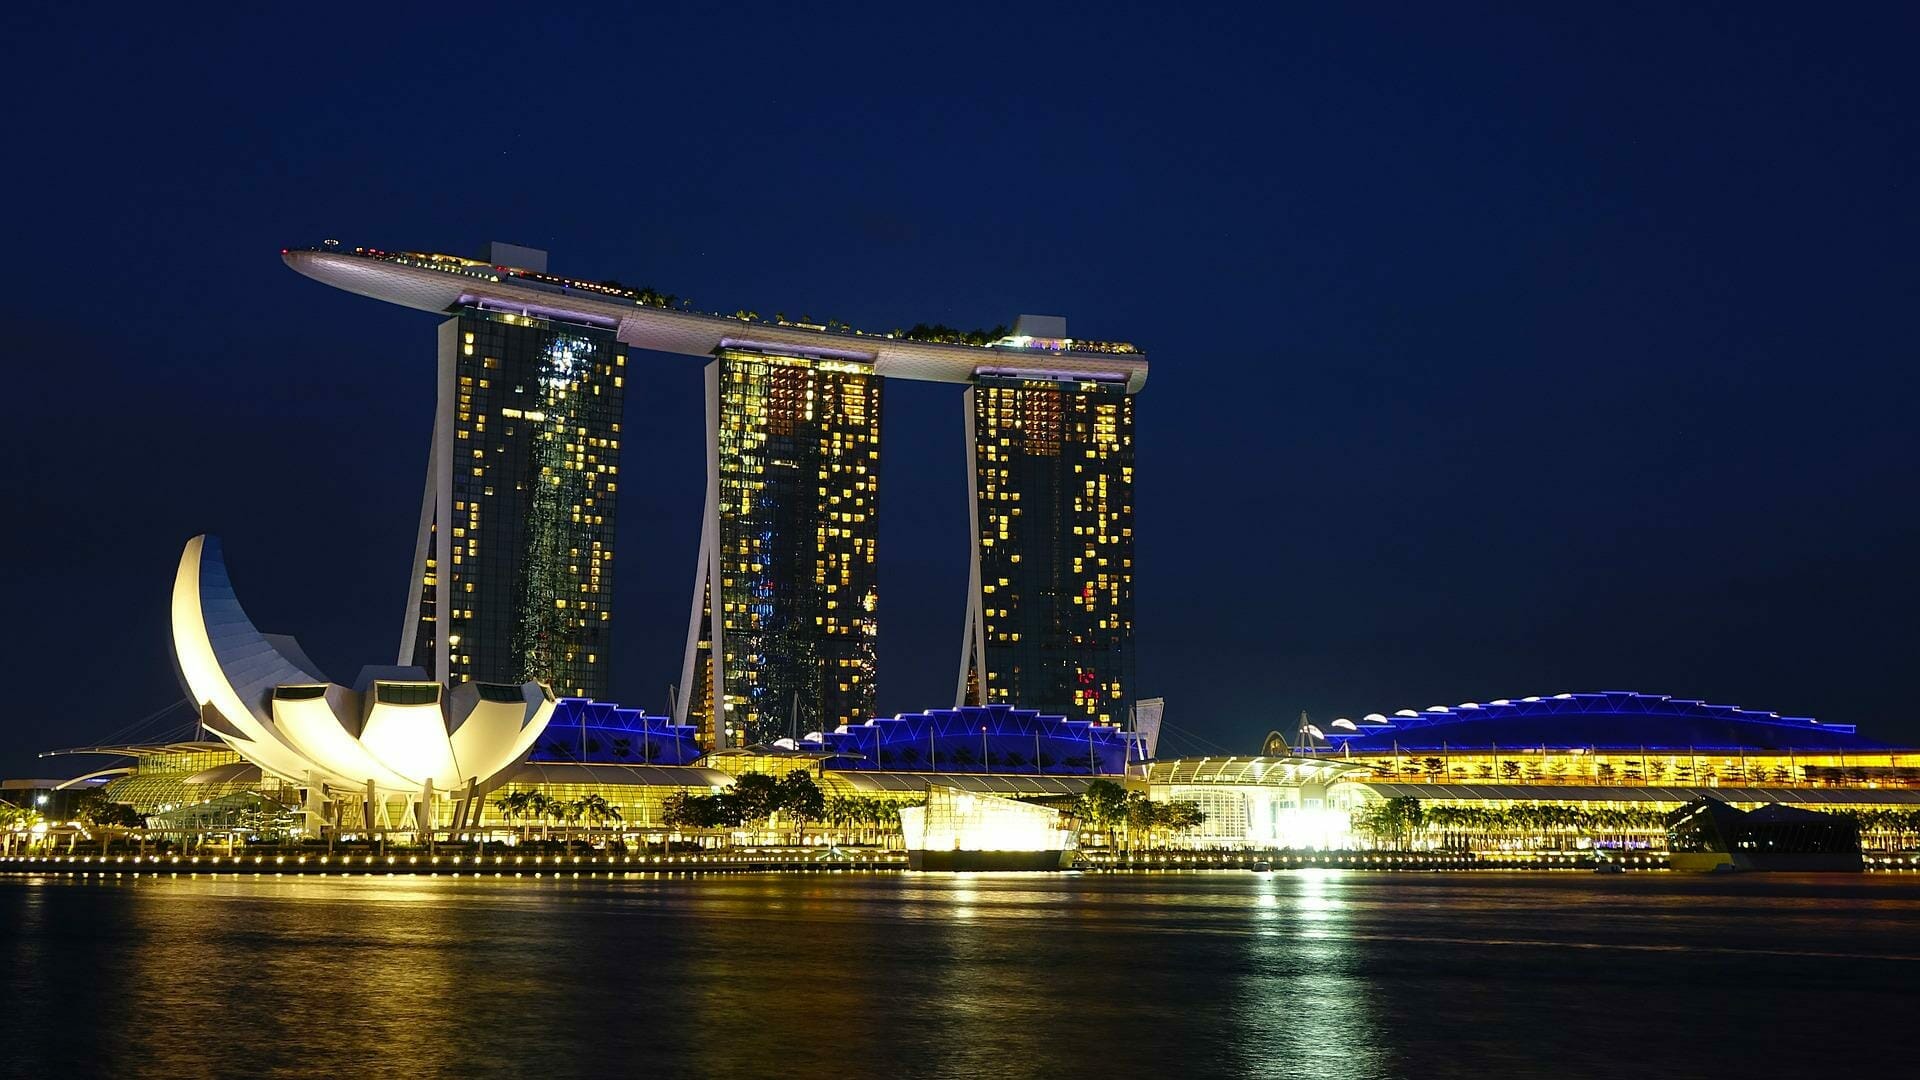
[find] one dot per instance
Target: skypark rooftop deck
(641, 318)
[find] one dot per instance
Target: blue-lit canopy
(980, 738)
(1607, 720)
(989, 739)
(601, 733)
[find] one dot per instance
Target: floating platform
(988, 861)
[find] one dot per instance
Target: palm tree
(17, 821)
(596, 809)
(839, 813)
(540, 807)
(514, 806)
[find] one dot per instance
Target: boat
(1710, 836)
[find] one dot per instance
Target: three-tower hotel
(513, 570)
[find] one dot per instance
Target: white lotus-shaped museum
(394, 732)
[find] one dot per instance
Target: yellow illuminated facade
(1587, 766)
(515, 562)
(790, 548)
(1051, 619)
(183, 776)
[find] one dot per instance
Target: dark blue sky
(1496, 350)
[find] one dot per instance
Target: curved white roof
(437, 286)
(292, 723)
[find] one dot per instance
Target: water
(1313, 974)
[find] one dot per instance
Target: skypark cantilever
(444, 284)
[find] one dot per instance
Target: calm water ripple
(1312, 974)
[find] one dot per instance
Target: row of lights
(1243, 861)
(474, 871)
(434, 860)
(1884, 863)
(1411, 861)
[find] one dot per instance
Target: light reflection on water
(1321, 974)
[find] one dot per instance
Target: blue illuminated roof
(981, 738)
(585, 731)
(970, 738)
(1608, 719)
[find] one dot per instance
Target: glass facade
(526, 472)
(1053, 501)
(641, 806)
(159, 782)
(793, 555)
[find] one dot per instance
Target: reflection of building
(513, 571)
(785, 597)
(1050, 602)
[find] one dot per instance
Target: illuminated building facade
(781, 630)
(1542, 776)
(980, 738)
(1050, 612)
(781, 634)
(513, 572)
(583, 731)
(1605, 739)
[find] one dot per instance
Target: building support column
(708, 608)
(436, 504)
(973, 641)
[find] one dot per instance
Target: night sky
(1495, 351)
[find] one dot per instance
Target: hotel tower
(513, 571)
(513, 568)
(785, 596)
(1050, 593)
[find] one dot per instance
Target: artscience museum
(391, 733)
